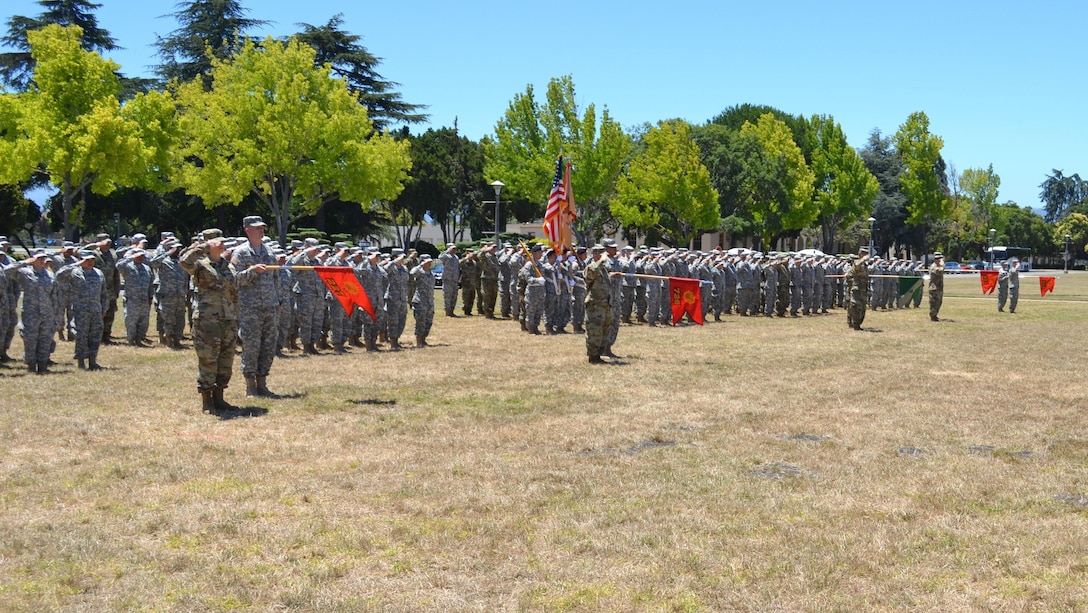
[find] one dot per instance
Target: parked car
(978, 265)
(953, 267)
(436, 270)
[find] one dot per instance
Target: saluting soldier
(170, 291)
(531, 278)
(451, 275)
(936, 286)
(598, 300)
(857, 289)
(215, 317)
(258, 301)
(86, 288)
(137, 275)
(7, 303)
(422, 282)
(106, 261)
(489, 280)
(39, 317)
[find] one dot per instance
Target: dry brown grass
(752, 464)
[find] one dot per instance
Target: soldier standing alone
(598, 305)
(857, 288)
(936, 286)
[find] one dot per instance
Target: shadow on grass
(374, 402)
(240, 412)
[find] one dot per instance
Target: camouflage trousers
(137, 318)
(396, 316)
(107, 319)
(88, 334)
(855, 311)
(37, 336)
(468, 295)
(214, 340)
(598, 322)
(311, 313)
(371, 326)
(285, 316)
(505, 292)
(653, 301)
(172, 315)
(534, 305)
(258, 330)
(613, 324)
(424, 316)
(578, 306)
(338, 322)
(935, 300)
(449, 294)
(489, 293)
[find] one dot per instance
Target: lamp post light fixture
(872, 220)
(993, 235)
(1068, 254)
(498, 185)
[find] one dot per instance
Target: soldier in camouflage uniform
(258, 302)
(616, 300)
(936, 286)
(451, 275)
(551, 290)
(470, 272)
(309, 294)
(86, 287)
(66, 321)
(857, 289)
(7, 303)
(598, 300)
(489, 280)
(422, 282)
(535, 285)
(396, 299)
(107, 263)
(285, 309)
(654, 287)
(215, 317)
(372, 279)
(170, 291)
(138, 290)
(338, 319)
(39, 317)
(507, 280)
(576, 269)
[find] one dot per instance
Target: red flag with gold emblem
(343, 284)
(989, 281)
(686, 297)
(1046, 284)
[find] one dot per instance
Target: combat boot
(339, 348)
(262, 387)
(353, 341)
(533, 329)
(370, 345)
(579, 330)
(323, 343)
(43, 368)
(421, 341)
(595, 359)
(251, 387)
(641, 319)
(207, 404)
(394, 343)
(5, 358)
(175, 342)
(32, 367)
(92, 363)
(608, 352)
(82, 364)
(309, 349)
(383, 337)
(219, 403)
(162, 338)
(292, 343)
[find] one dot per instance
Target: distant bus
(1000, 254)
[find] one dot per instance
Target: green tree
(351, 61)
(784, 202)
(980, 191)
(1061, 193)
(890, 205)
(1076, 226)
(923, 179)
(844, 187)
(17, 67)
(1025, 228)
(530, 137)
(275, 126)
(209, 29)
(71, 126)
(667, 188)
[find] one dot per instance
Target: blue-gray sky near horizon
(1000, 81)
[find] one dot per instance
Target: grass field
(753, 464)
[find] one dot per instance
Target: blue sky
(1000, 81)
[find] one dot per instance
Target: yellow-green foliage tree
(70, 124)
(786, 202)
(844, 187)
(275, 126)
(667, 188)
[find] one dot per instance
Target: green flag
(909, 288)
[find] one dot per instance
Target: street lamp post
(1068, 253)
(872, 220)
(498, 185)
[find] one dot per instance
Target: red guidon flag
(1046, 284)
(989, 281)
(687, 298)
(343, 284)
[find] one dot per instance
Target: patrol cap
(450, 246)
(253, 221)
(598, 248)
(507, 246)
(627, 248)
(863, 250)
(579, 249)
(311, 242)
(36, 252)
(340, 245)
(165, 235)
(398, 251)
(296, 244)
(609, 243)
(210, 233)
(139, 236)
(425, 258)
(4, 240)
(102, 237)
(937, 254)
(137, 253)
(536, 248)
(85, 254)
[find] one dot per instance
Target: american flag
(557, 202)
